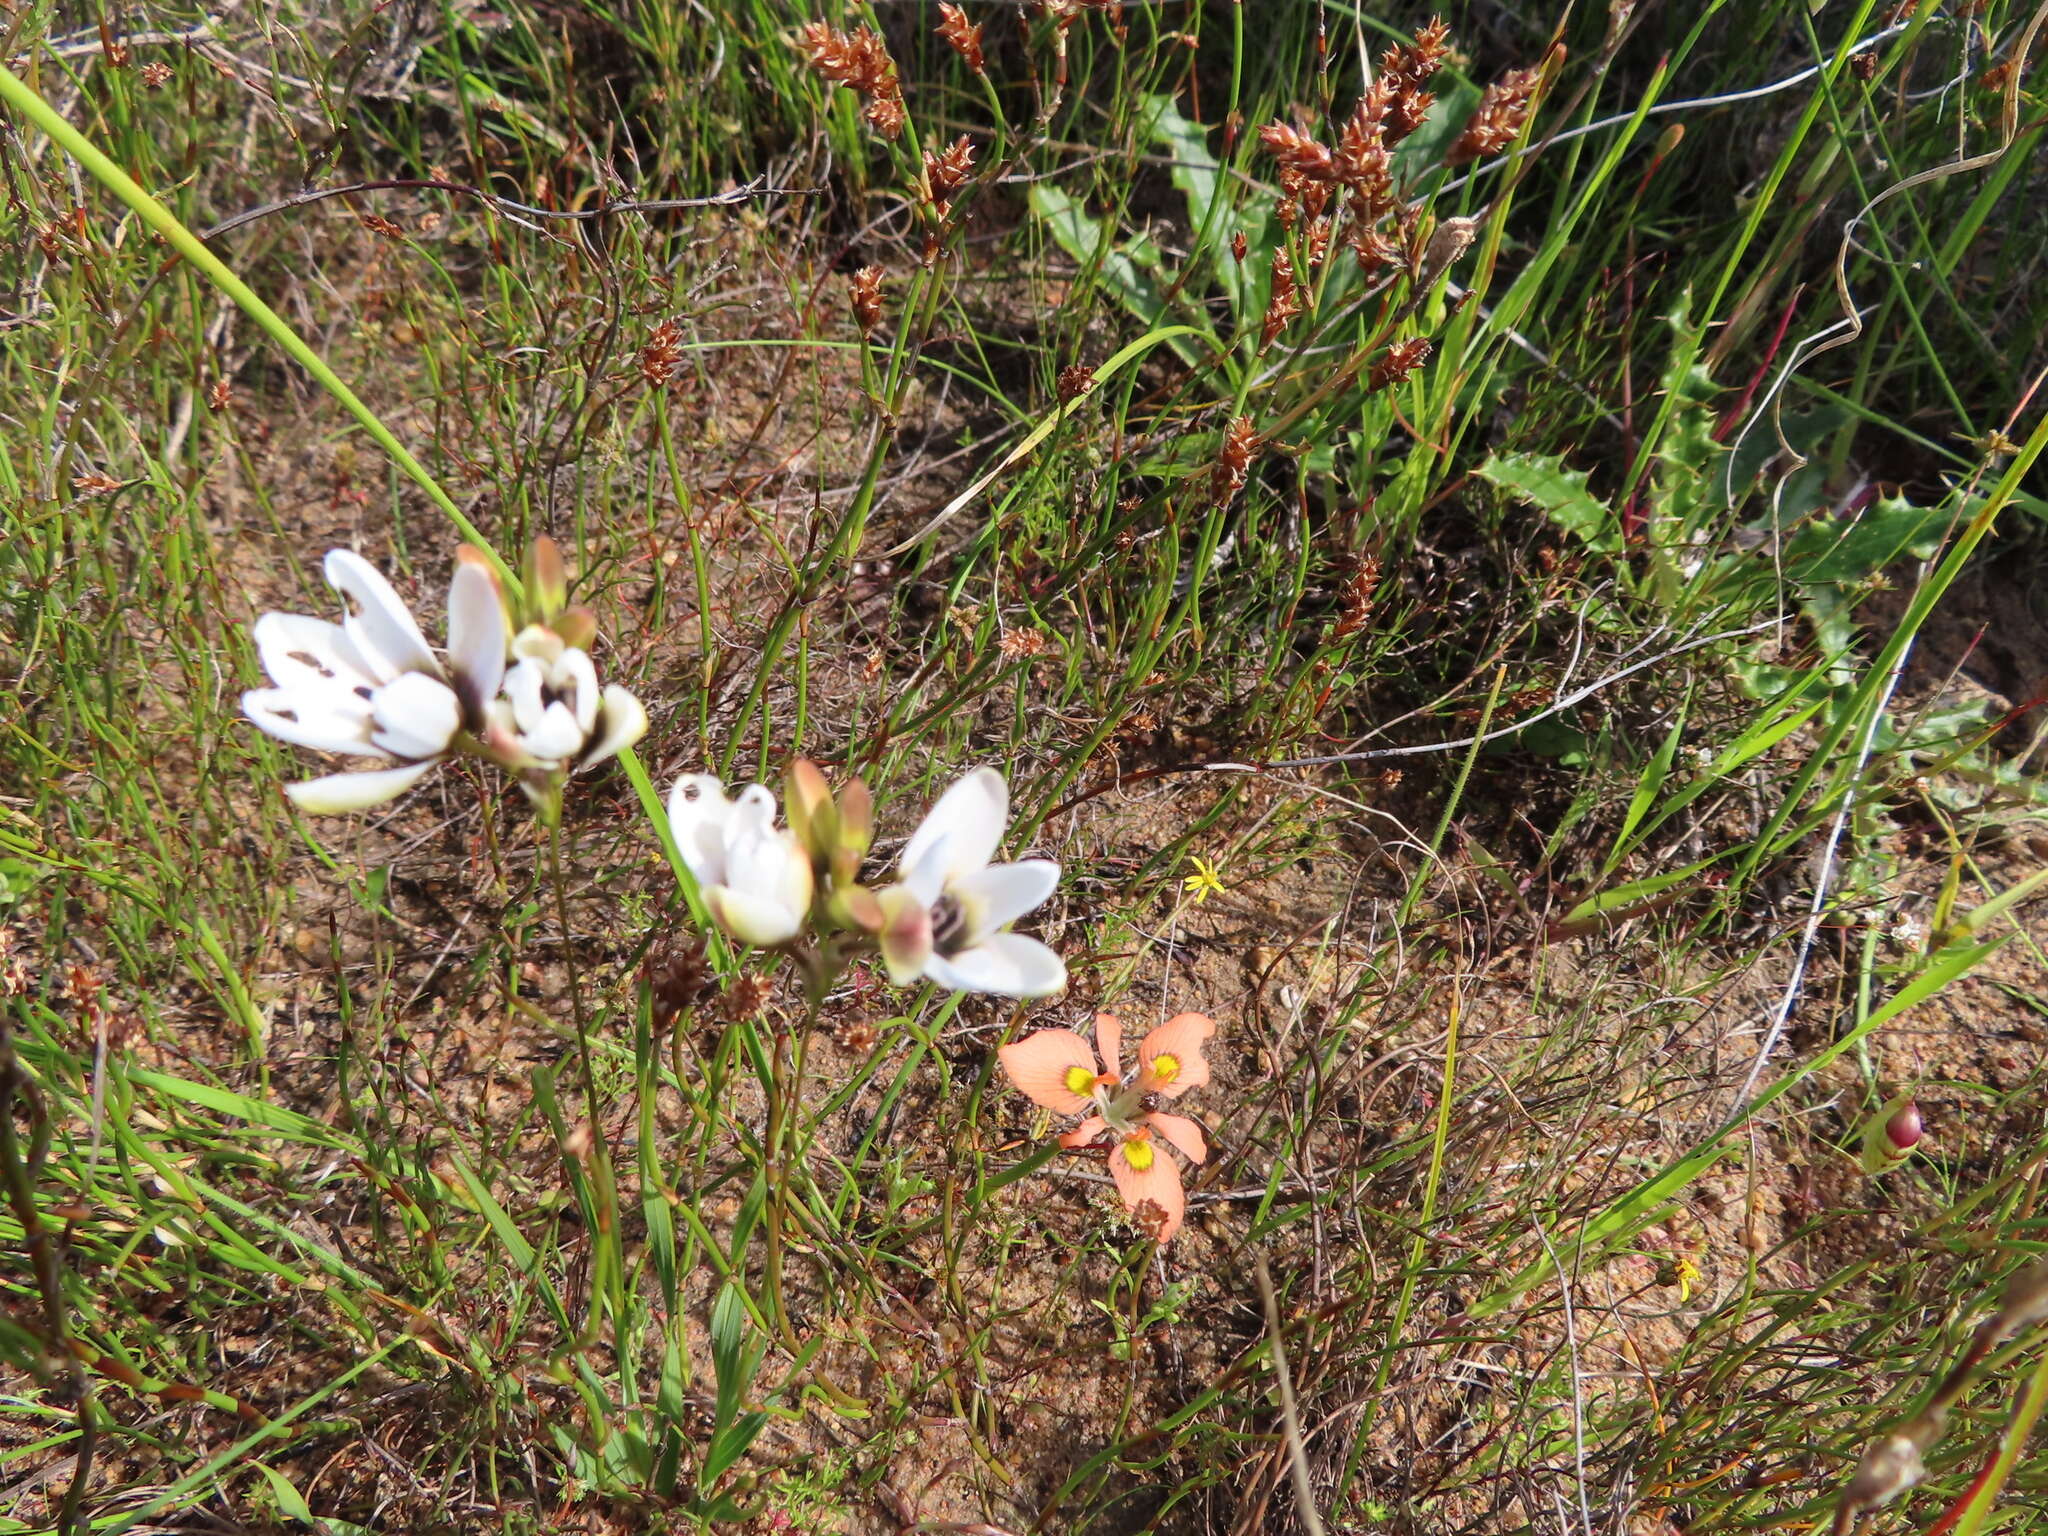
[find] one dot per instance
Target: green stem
(19, 95)
(785, 1101)
(609, 1265)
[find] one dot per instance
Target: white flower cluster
(525, 695)
(947, 917)
(370, 686)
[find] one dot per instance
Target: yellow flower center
(1138, 1153)
(1080, 1081)
(1165, 1067)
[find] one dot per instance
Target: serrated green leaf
(1561, 493)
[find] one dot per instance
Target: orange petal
(1085, 1132)
(1156, 1184)
(1183, 1133)
(1109, 1043)
(1041, 1064)
(1180, 1038)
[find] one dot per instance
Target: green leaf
(1842, 554)
(728, 1445)
(1618, 897)
(1128, 269)
(1561, 493)
(1198, 177)
(729, 1358)
(1650, 785)
(1194, 168)
(292, 1505)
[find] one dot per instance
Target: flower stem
(785, 1104)
(606, 1270)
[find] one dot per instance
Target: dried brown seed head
(1408, 113)
(1411, 64)
(860, 61)
(1498, 120)
(961, 35)
(1362, 161)
(1020, 643)
(885, 115)
(1358, 595)
(866, 285)
(156, 74)
(677, 977)
(747, 996)
(856, 1035)
(1074, 381)
(1398, 361)
(1297, 152)
(946, 172)
(1233, 460)
(1285, 302)
(663, 355)
(1151, 1219)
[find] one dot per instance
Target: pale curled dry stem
(1290, 1418)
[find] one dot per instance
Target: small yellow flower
(1205, 882)
(1685, 1275)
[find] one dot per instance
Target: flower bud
(577, 626)
(547, 579)
(1891, 1135)
(807, 801)
(856, 821)
(855, 906)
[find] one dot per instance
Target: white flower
(370, 687)
(553, 717)
(946, 920)
(755, 876)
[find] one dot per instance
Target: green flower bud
(1891, 1135)
(547, 579)
(807, 801)
(577, 626)
(856, 823)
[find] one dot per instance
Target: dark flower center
(949, 926)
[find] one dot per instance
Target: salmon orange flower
(1058, 1069)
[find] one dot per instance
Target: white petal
(416, 717)
(477, 633)
(753, 810)
(523, 685)
(697, 814)
(294, 718)
(1005, 963)
(770, 865)
(538, 643)
(1002, 893)
(383, 630)
(756, 920)
(356, 791)
(576, 674)
(968, 819)
(302, 652)
(557, 737)
(625, 722)
(926, 879)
